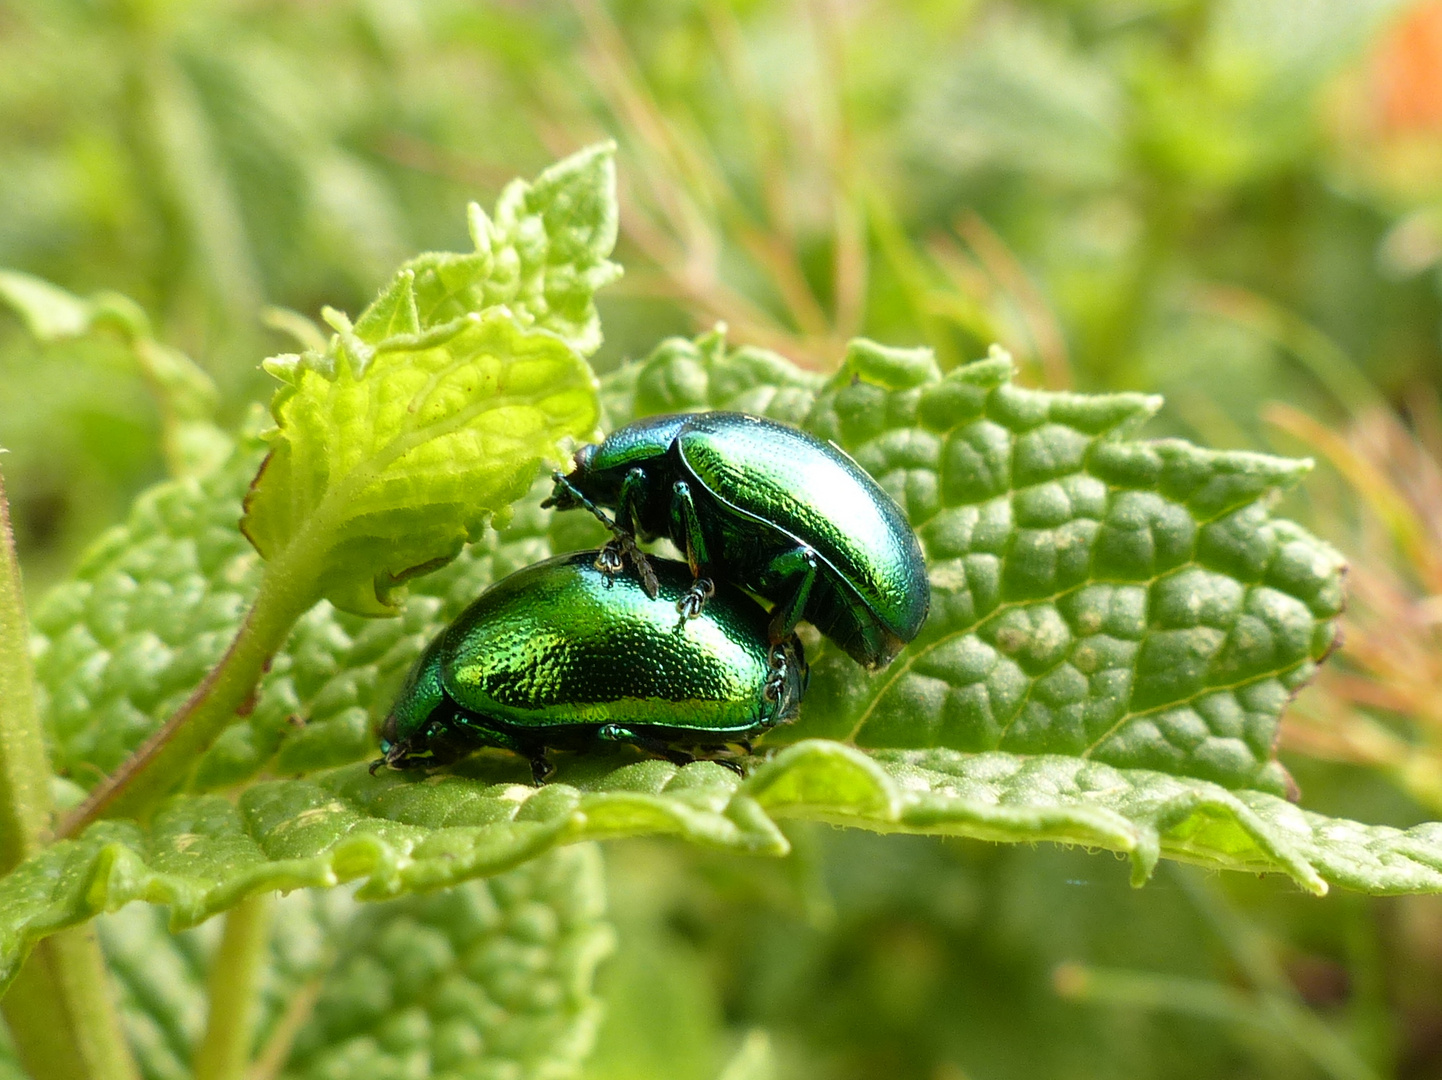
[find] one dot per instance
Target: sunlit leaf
(397, 833)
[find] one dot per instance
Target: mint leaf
(491, 976)
(388, 457)
(150, 609)
(682, 375)
(1122, 601)
(395, 445)
(398, 833)
(923, 434)
(153, 606)
(542, 256)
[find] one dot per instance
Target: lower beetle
(562, 655)
(770, 508)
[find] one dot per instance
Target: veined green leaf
(975, 462)
(492, 977)
(399, 833)
(1130, 602)
(388, 458)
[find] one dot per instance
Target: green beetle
(770, 508)
(563, 656)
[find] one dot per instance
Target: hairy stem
(61, 1012)
(24, 766)
(59, 1009)
(165, 758)
(234, 984)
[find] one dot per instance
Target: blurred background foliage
(1236, 203)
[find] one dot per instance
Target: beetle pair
(574, 651)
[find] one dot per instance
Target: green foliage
(386, 460)
(1185, 198)
(1076, 511)
(543, 257)
(399, 834)
(489, 979)
(186, 394)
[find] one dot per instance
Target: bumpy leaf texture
(386, 460)
(492, 978)
(1116, 627)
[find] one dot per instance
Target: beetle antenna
(623, 540)
(574, 492)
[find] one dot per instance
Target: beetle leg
(691, 605)
(786, 614)
(617, 733)
(541, 766)
(628, 502)
(628, 527)
(687, 522)
(609, 559)
(622, 545)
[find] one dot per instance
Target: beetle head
(570, 491)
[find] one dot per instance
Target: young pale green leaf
(488, 978)
(388, 458)
(543, 257)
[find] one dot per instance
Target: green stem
(234, 989)
(59, 1009)
(164, 759)
(24, 765)
(61, 1013)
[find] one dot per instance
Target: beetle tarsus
(694, 602)
(776, 681)
(609, 559)
(541, 768)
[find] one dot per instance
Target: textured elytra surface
(490, 979)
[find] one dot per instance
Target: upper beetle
(770, 508)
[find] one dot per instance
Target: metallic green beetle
(770, 508)
(563, 656)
